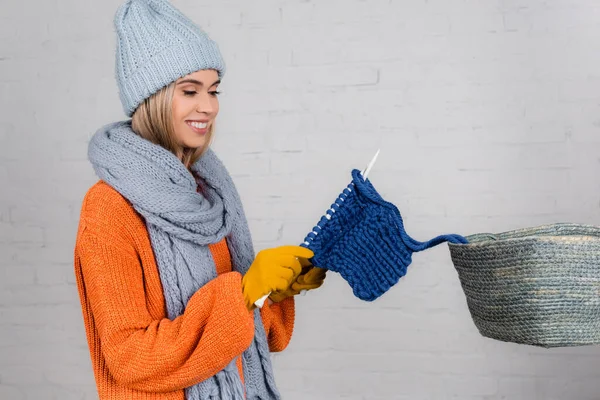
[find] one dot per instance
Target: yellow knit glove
(310, 278)
(272, 270)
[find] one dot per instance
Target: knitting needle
(260, 302)
(368, 169)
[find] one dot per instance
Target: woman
(165, 267)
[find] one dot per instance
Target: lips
(200, 127)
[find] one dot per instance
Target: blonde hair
(153, 120)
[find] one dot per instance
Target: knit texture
(362, 237)
(182, 222)
(136, 351)
(156, 45)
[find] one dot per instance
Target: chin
(195, 144)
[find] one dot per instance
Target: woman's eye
(189, 93)
(214, 93)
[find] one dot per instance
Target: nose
(205, 103)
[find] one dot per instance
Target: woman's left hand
(311, 278)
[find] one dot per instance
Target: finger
(314, 275)
(289, 262)
(280, 284)
(311, 282)
(296, 251)
(304, 270)
(278, 296)
(299, 287)
(287, 274)
(305, 262)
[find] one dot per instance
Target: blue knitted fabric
(362, 237)
(156, 45)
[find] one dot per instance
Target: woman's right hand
(273, 270)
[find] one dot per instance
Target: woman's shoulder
(105, 211)
(103, 200)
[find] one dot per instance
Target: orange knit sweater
(136, 351)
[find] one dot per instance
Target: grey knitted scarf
(181, 223)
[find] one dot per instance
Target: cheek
(181, 108)
(176, 108)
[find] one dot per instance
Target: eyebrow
(197, 82)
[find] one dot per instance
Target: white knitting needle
(368, 169)
(260, 302)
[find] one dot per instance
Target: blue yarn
(362, 237)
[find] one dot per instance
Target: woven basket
(537, 286)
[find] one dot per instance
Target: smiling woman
(165, 266)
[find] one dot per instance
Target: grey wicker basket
(538, 286)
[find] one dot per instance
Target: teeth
(199, 125)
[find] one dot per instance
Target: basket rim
(543, 232)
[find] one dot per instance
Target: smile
(198, 127)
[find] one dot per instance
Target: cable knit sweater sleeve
(278, 319)
(142, 351)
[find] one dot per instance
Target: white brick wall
(488, 116)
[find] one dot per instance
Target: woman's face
(195, 107)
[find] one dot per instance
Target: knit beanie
(156, 45)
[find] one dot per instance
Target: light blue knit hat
(157, 45)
